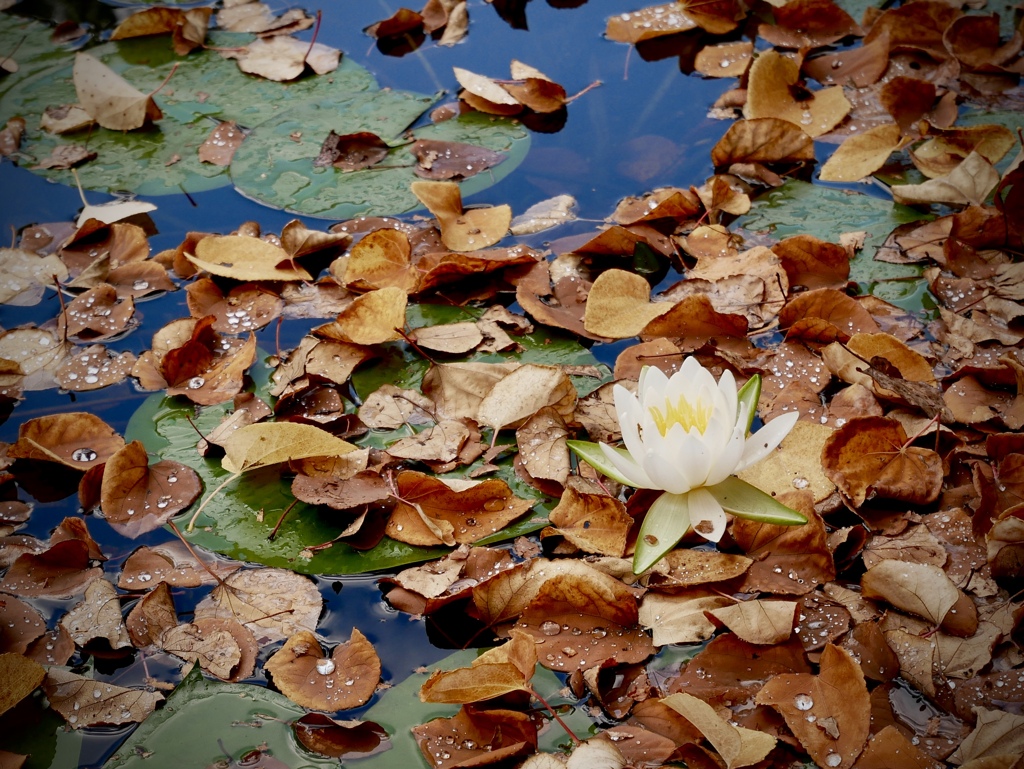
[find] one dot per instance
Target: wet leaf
(61, 571)
(972, 181)
(245, 258)
(861, 154)
(430, 511)
(619, 305)
(77, 440)
(26, 276)
(470, 230)
(758, 622)
(222, 647)
(770, 94)
(544, 215)
(136, 497)
(680, 618)
(762, 140)
(736, 745)
(523, 392)
(595, 523)
(339, 739)
(837, 698)
(346, 679)
(273, 603)
(997, 733)
(579, 622)
(221, 144)
(172, 563)
(97, 702)
(500, 671)
(98, 616)
(373, 317)
(871, 455)
(151, 616)
(20, 625)
(917, 588)
(188, 27)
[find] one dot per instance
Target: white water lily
(688, 435)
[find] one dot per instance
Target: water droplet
(325, 667)
(803, 702)
(196, 382)
(550, 628)
(83, 455)
(833, 759)
(140, 285)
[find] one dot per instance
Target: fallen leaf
(223, 647)
(758, 622)
(441, 160)
(270, 443)
(273, 603)
(861, 154)
(836, 696)
(971, 182)
(85, 702)
(476, 738)
(595, 523)
(339, 739)
(461, 230)
(151, 616)
(372, 318)
(136, 497)
(245, 258)
(544, 215)
(111, 100)
(762, 140)
(20, 676)
(98, 616)
(917, 588)
(771, 81)
(219, 147)
(27, 276)
(619, 306)
(78, 440)
(736, 745)
(344, 680)
(283, 58)
(351, 152)
(523, 392)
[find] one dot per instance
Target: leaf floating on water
(112, 101)
(78, 440)
(284, 58)
(85, 702)
(19, 677)
(346, 679)
(273, 603)
(98, 616)
(136, 497)
(245, 258)
(440, 160)
(351, 152)
(270, 443)
(340, 739)
(544, 215)
(188, 27)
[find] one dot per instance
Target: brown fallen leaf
(219, 147)
(85, 702)
(440, 160)
(151, 616)
(470, 230)
(283, 58)
(62, 571)
(19, 677)
(223, 647)
(837, 698)
(136, 497)
(476, 738)
(339, 739)
(77, 440)
(351, 152)
(98, 616)
(772, 78)
(187, 26)
(737, 746)
(273, 603)
(595, 523)
(346, 679)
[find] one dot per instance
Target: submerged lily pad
(800, 208)
(268, 170)
(240, 517)
(205, 722)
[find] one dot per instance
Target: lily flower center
(684, 413)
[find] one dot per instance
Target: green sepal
(746, 501)
(592, 454)
(666, 522)
(750, 394)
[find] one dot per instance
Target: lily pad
(239, 519)
(27, 43)
(272, 168)
(800, 208)
(204, 722)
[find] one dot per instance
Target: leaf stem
(575, 740)
(192, 521)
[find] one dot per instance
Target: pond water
(644, 126)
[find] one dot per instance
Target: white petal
(728, 459)
(664, 525)
(666, 471)
(727, 389)
(628, 468)
(706, 516)
(651, 387)
(764, 441)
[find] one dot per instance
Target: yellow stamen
(684, 413)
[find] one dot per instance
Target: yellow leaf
(111, 100)
(769, 94)
(268, 443)
(245, 258)
(862, 154)
(738, 746)
(619, 305)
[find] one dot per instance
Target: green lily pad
(27, 43)
(800, 208)
(204, 721)
(204, 89)
(273, 169)
(239, 519)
